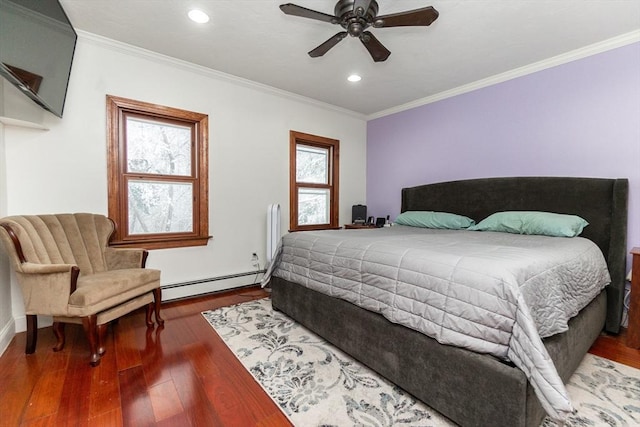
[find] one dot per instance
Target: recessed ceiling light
(198, 16)
(354, 78)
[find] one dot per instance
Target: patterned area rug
(316, 384)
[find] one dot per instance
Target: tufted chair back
(79, 238)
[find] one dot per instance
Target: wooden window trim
(117, 109)
(299, 138)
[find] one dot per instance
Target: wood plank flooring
(180, 375)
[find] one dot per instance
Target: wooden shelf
(8, 121)
(358, 226)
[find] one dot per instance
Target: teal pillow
(532, 222)
(428, 219)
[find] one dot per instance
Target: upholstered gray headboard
(602, 202)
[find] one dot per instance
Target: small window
(158, 177)
(313, 182)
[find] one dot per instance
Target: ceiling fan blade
(417, 17)
(363, 5)
(295, 10)
(377, 50)
(324, 47)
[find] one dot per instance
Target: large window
(313, 182)
(158, 175)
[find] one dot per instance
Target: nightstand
(358, 226)
(633, 329)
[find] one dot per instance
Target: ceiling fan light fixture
(198, 16)
(354, 78)
(355, 29)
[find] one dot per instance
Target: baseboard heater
(212, 279)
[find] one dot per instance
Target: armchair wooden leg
(150, 310)
(91, 331)
(58, 330)
(32, 333)
(102, 332)
(157, 296)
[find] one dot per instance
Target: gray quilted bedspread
(489, 292)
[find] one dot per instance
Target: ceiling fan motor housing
(355, 20)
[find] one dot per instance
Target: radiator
(273, 230)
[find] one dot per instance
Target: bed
(469, 387)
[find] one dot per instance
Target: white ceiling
(471, 40)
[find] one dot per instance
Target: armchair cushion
(97, 292)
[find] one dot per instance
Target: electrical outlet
(255, 261)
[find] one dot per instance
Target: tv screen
(37, 43)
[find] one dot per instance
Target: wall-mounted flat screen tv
(37, 43)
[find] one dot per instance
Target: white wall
(64, 169)
(6, 318)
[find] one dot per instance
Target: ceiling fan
(355, 16)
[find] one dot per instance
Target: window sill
(162, 243)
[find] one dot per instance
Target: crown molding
(593, 49)
(208, 72)
(596, 48)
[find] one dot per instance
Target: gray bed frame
(475, 389)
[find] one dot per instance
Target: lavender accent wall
(578, 119)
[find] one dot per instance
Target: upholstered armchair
(66, 270)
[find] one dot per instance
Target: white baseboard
(21, 322)
(6, 335)
(194, 289)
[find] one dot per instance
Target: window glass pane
(160, 207)
(158, 148)
(312, 164)
(313, 206)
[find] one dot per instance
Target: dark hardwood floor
(180, 375)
